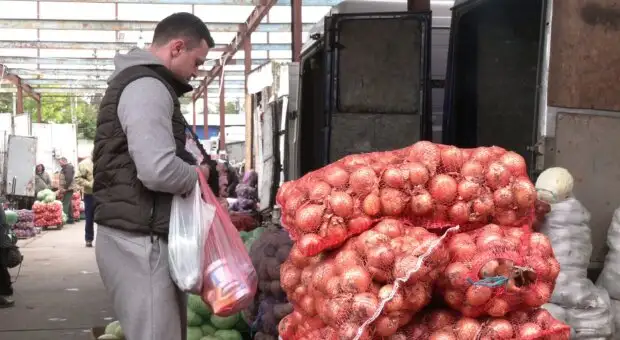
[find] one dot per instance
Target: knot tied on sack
(491, 282)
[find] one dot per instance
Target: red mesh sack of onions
(442, 324)
(495, 270)
(373, 284)
(430, 185)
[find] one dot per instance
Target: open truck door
(364, 85)
(540, 77)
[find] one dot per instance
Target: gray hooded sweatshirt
(145, 112)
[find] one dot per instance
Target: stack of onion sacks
(429, 185)
(342, 291)
(440, 324)
(495, 270)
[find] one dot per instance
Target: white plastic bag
(610, 276)
(615, 311)
(566, 226)
(595, 322)
(190, 221)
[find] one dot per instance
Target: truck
(53, 142)
(537, 77)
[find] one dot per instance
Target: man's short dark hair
(185, 26)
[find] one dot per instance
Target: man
(66, 187)
(140, 163)
(85, 180)
(6, 285)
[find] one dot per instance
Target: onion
(365, 305)
(443, 188)
(467, 329)
(310, 244)
(497, 307)
(530, 331)
(515, 232)
(482, 155)
(359, 224)
(463, 251)
(451, 159)
(506, 217)
(332, 287)
(393, 202)
(396, 303)
(379, 275)
(352, 162)
(489, 269)
(371, 205)
(497, 150)
(471, 311)
(543, 318)
(322, 273)
(336, 176)
(539, 265)
(337, 309)
(421, 203)
(515, 163)
(380, 257)
(554, 269)
(363, 180)
(540, 293)
(454, 298)
(394, 177)
(418, 296)
(390, 227)
(472, 170)
(318, 190)
(457, 239)
(348, 331)
(289, 276)
(487, 239)
(478, 295)
(386, 326)
(503, 198)
(283, 192)
(439, 319)
(347, 258)
(341, 204)
(456, 274)
(307, 305)
(497, 176)
(468, 189)
(483, 206)
(524, 192)
(286, 327)
(442, 335)
(355, 280)
(459, 213)
(294, 200)
(541, 244)
(500, 329)
(416, 173)
(426, 153)
(308, 218)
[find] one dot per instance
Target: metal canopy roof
(52, 50)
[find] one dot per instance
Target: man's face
(184, 61)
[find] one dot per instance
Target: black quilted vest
(121, 200)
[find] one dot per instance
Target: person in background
(66, 187)
(42, 179)
(6, 287)
(140, 163)
(84, 178)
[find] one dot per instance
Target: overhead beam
(202, 2)
(237, 93)
(43, 73)
(120, 25)
(93, 61)
(78, 45)
(18, 82)
(102, 82)
(244, 31)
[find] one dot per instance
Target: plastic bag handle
(204, 185)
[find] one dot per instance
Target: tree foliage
(59, 109)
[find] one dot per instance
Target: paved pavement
(58, 292)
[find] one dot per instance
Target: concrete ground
(58, 293)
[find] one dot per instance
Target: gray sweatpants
(135, 272)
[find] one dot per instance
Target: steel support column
(418, 5)
(222, 113)
(17, 81)
(20, 98)
(258, 13)
(249, 157)
(296, 25)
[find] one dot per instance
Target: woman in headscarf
(42, 179)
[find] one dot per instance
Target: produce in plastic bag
(567, 228)
(610, 276)
(594, 322)
(229, 281)
(190, 222)
(615, 312)
(268, 252)
(429, 185)
(554, 185)
(374, 283)
(495, 270)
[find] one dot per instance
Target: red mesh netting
(429, 185)
(375, 283)
(494, 270)
(436, 324)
